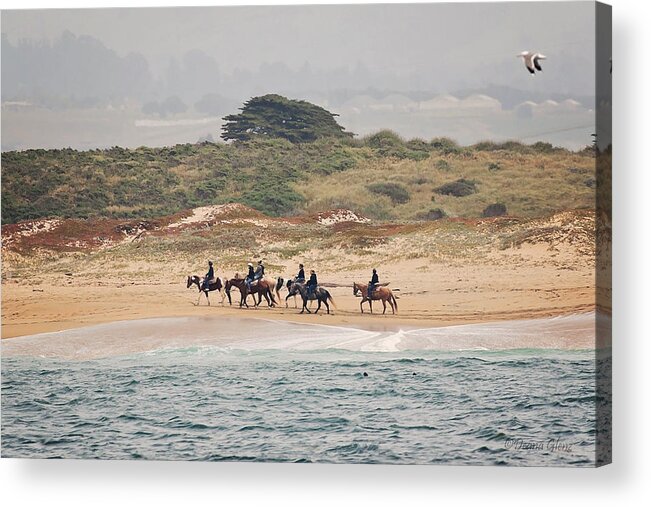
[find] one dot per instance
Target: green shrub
(335, 162)
(459, 188)
(396, 192)
(513, 146)
(418, 145)
(442, 165)
(384, 139)
(432, 214)
(444, 144)
(541, 147)
(494, 166)
(494, 210)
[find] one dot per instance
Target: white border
(626, 482)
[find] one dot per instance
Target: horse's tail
(395, 301)
(332, 301)
(279, 285)
(227, 290)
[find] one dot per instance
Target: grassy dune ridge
(280, 179)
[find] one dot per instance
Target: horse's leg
(207, 298)
(318, 306)
(384, 304)
(295, 305)
(305, 300)
(361, 303)
(370, 305)
(325, 301)
(199, 300)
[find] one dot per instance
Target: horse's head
(190, 281)
(355, 289)
(289, 283)
(294, 289)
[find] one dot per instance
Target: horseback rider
(300, 278)
(311, 283)
(259, 272)
(373, 283)
(209, 278)
(249, 277)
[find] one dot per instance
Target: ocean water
(186, 389)
(216, 403)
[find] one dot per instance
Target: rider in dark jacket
(210, 275)
(249, 277)
(311, 283)
(300, 278)
(375, 280)
(259, 272)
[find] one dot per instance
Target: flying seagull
(532, 60)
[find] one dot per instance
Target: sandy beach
(441, 296)
(443, 274)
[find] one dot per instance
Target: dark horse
(320, 294)
(197, 280)
(261, 288)
(280, 283)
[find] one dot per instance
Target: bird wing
(536, 62)
(528, 63)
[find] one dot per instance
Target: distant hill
(381, 176)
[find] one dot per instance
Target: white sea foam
(248, 334)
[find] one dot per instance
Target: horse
(383, 294)
(320, 294)
(279, 285)
(262, 288)
(216, 285)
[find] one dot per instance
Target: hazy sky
(462, 43)
(328, 54)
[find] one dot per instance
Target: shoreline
(127, 337)
(351, 319)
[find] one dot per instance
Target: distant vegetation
(459, 188)
(394, 191)
(381, 176)
(494, 210)
(275, 116)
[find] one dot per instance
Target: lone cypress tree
(273, 115)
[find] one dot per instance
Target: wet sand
(575, 332)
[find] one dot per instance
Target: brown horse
(216, 285)
(383, 294)
(262, 287)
